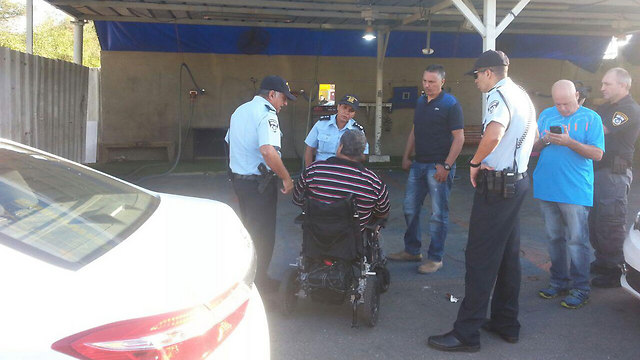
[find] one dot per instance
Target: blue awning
(584, 51)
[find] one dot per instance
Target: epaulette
(269, 108)
(324, 118)
(356, 125)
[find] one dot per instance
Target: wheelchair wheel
(383, 278)
(369, 309)
(288, 291)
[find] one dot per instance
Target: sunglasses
(475, 72)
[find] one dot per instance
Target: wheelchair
(338, 263)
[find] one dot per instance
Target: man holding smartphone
(571, 138)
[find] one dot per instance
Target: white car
(93, 267)
(630, 279)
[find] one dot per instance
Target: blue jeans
(420, 183)
(567, 229)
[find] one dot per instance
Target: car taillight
(181, 335)
(188, 334)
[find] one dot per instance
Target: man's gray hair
(622, 76)
(353, 143)
(438, 69)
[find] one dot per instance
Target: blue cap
(275, 82)
(350, 100)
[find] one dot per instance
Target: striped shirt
(335, 178)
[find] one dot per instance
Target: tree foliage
(51, 39)
(10, 10)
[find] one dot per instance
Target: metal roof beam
(511, 30)
(510, 16)
(421, 14)
(466, 9)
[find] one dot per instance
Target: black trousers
(492, 258)
(258, 215)
(608, 217)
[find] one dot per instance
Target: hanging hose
(178, 156)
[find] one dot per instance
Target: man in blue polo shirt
(571, 139)
(437, 137)
(323, 139)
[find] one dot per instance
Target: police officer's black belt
(499, 174)
(245, 177)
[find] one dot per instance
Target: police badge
(492, 107)
(273, 124)
(619, 118)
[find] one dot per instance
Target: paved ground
(416, 305)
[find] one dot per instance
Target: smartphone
(555, 129)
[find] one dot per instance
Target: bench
(122, 151)
(472, 134)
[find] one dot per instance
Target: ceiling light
(369, 34)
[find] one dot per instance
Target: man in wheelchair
(344, 206)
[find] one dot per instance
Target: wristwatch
(545, 142)
(447, 166)
(474, 165)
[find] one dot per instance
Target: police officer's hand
(559, 139)
(441, 174)
(287, 186)
(406, 164)
(473, 174)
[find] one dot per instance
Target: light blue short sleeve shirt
(252, 125)
(562, 175)
(325, 137)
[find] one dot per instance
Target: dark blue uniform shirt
(622, 119)
(433, 122)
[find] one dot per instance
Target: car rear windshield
(64, 213)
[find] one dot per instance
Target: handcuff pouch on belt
(264, 178)
(498, 182)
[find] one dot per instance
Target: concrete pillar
(383, 41)
(29, 29)
(77, 40)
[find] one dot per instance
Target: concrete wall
(140, 92)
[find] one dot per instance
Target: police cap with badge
(488, 59)
(350, 100)
(276, 83)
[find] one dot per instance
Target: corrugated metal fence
(43, 103)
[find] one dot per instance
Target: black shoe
(508, 338)
(448, 342)
(606, 281)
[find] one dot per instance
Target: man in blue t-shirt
(571, 138)
(437, 137)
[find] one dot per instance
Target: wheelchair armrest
(377, 224)
(299, 220)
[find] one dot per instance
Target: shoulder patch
(492, 107)
(619, 118)
(269, 108)
(358, 126)
(324, 118)
(273, 124)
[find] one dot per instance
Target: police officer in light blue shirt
(498, 173)
(254, 141)
(324, 138)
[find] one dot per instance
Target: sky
(41, 11)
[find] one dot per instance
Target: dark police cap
(275, 82)
(489, 58)
(350, 100)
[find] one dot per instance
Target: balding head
(565, 97)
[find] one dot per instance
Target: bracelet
(474, 165)
(545, 142)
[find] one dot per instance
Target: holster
(619, 165)
(264, 178)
